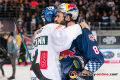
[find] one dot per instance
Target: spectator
(43, 5)
(86, 2)
(12, 53)
(84, 10)
(91, 20)
(91, 8)
(22, 54)
(118, 21)
(74, 2)
(97, 2)
(80, 3)
(34, 5)
(26, 7)
(57, 3)
(25, 29)
(106, 8)
(27, 20)
(87, 7)
(79, 18)
(92, 4)
(111, 3)
(104, 1)
(33, 19)
(20, 22)
(21, 14)
(116, 4)
(1, 7)
(83, 15)
(87, 15)
(6, 8)
(12, 8)
(97, 19)
(113, 20)
(82, 20)
(109, 14)
(113, 8)
(34, 27)
(21, 7)
(37, 19)
(105, 20)
(99, 8)
(17, 8)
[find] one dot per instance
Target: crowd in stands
(91, 11)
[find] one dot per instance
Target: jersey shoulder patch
(59, 26)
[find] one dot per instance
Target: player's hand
(84, 25)
(86, 71)
(8, 55)
(35, 34)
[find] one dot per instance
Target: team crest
(91, 37)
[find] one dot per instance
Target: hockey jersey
(86, 46)
(47, 45)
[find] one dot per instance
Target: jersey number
(96, 49)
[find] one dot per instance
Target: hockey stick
(3, 50)
(22, 39)
(35, 67)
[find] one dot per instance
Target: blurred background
(103, 17)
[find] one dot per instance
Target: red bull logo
(66, 53)
(91, 37)
(70, 7)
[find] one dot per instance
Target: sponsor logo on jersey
(43, 59)
(91, 37)
(33, 78)
(42, 40)
(70, 7)
(66, 53)
(72, 74)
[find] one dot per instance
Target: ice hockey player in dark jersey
(83, 55)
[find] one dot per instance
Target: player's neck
(70, 23)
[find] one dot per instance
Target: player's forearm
(93, 65)
(35, 33)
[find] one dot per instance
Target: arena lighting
(33, 3)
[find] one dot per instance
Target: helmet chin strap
(66, 22)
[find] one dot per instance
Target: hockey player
(85, 54)
(95, 61)
(49, 41)
(87, 48)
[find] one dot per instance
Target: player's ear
(84, 25)
(68, 18)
